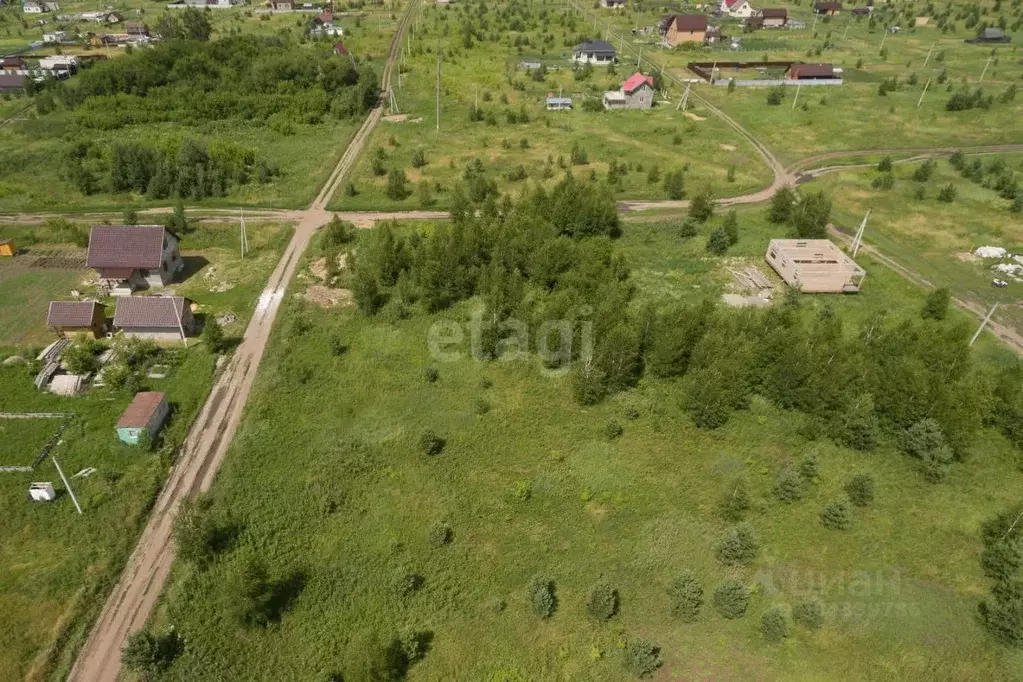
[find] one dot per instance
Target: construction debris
(990, 252)
(751, 278)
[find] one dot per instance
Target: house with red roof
(637, 92)
(739, 9)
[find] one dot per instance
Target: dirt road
(132, 600)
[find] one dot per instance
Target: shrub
(612, 429)
(653, 176)
(642, 658)
(776, 95)
(735, 504)
(702, 206)
(731, 227)
(1002, 560)
(774, 625)
(430, 375)
(885, 165)
(418, 158)
(674, 185)
(430, 443)
(836, 516)
(578, 156)
(790, 485)
(731, 599)
(397, 182)
(860, 489)
(480, 406)
(809, 467)
(194, 531)
(80, 357)
(718, 241)
(602, 601)
(440, 534)
(883, 181)
(408, 583)
(809, 614)
(686, 596)
(688, 228)
(947, 194)
(925, 170)
(148, 655)
(936, 304)
(213, 334)
(541, 596)
(738, 545)
(1002, 614)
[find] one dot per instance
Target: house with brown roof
(131, 257)
(159, 318)
(13, 64)
(70, 318)
(829, 9)
(805, 72)
(685, 28)
(144, 417)
(136, 28)
(815, 266)
(774, 17)
(10, 82)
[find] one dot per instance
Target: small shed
(829, 9)
(68, 318)
(815, 266)
(7, 247)
(558, 103)
(146, 415)
(811, 72)
(990, 35)
(774, 17)
(42, 492)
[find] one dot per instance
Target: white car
(1000, 283)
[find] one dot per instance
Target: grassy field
(215, 275)
(852, 116)
(933, 238)
(335, 498)
(56, 566)
(487, 75)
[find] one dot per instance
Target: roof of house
(828, 6)
(141, 410)
(774, 13)
(636, 81)
(339, 48)
(992, 32)
(688, 22)
(594, 46)
(734, 3)
(64, 314)
(325, 17)
(125, 246)
(861, 10)
(812, 71)
(149, 311)
(559, 100)
(13, 60)
(616, 95)
(11, 81)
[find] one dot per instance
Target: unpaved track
(132, 600)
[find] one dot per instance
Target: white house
(32, 7)
(594, 52)
(612, 4)
(55, 37)
(738, 9)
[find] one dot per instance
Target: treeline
(547, 257)
(238, 77)
(187, 169)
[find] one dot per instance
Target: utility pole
(683, 102)
(796, 98)
(846, 32)
(929, 53)
(983, 324)
(815, 15)
(66, 484)
(921, 100)
(438, 91)
(244, 237)
(883, 38)
(858, 239)
(985, 70)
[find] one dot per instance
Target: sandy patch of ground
(967, 256)
(401, 118)
(327, 297)
(728, 147)
(693, 116)
(318, 267)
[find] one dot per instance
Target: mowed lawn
(26, 293)
(56, 566)
(334, 496)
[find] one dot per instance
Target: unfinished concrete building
(815, 266)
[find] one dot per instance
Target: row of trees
(187, 168)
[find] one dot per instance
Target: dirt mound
(327, 297)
